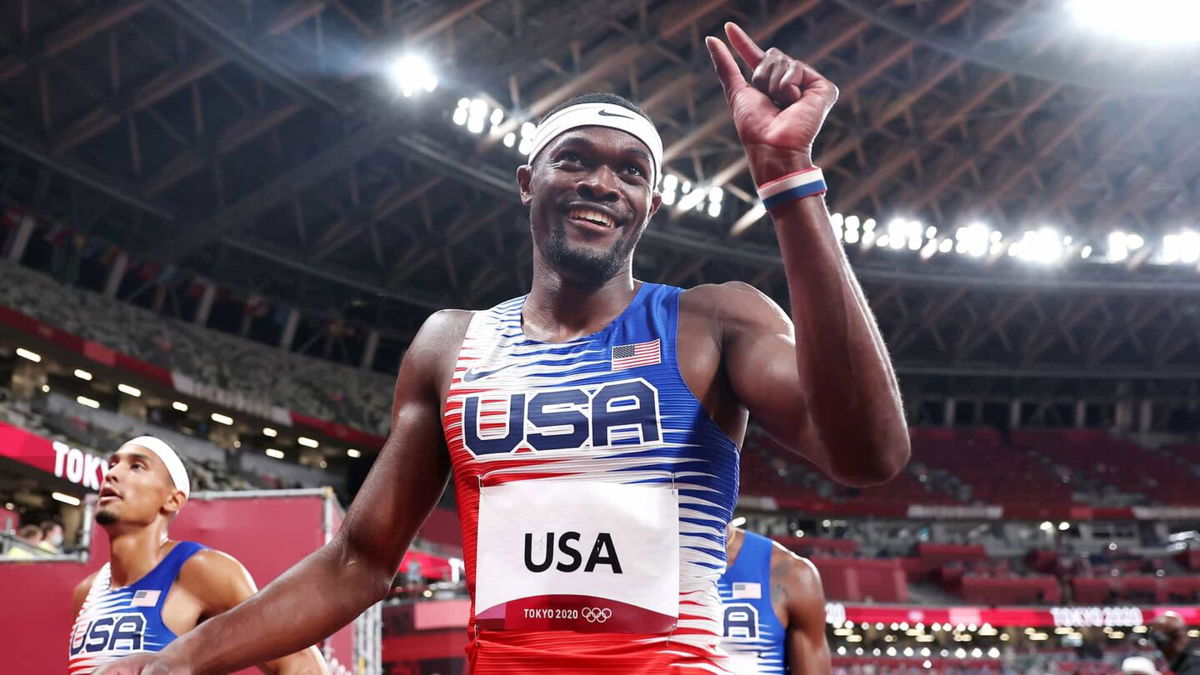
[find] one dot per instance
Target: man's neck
(133, 553)
(733, 544)
(559, 310)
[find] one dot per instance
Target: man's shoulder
(728, 301)
(208, 565)
(440, 334)
(797, 567)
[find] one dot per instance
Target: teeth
(592, 215)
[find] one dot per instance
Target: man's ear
(655, 204)
(174, 503)
(524, 181)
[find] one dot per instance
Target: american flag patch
(145, 599)
(747, 590)
(635, 355)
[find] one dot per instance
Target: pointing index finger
(745, 46)
(727, 68)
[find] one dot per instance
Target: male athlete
(774, 615)
(593, 425)
(154, 589)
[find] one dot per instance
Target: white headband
(601, 115)
(174, 465)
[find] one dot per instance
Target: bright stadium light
(353, 454)
(1041, 246)
(1183, 247)
(738, 522)
(66, 499)
(973, 239)
(28, 355)
(222, 419)
(180, 406)
(1158, 22)
(477, 115)
(129, 391)
(83, 374)
(307, 442)
(411, 74)
(87, 402)
(269, 432)
(272, 452)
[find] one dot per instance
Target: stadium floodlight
(1043, 245)
(460, 113)
(1046, 526)
(1085, 252)
(28, 355)
(510, 139)
(180, 406)
(65, 498)
(272, 452)
(1064, 526)
(738, 522)
(129, 391)
(1183, 247)
(1157, 22)
(353, 454)
(222, 419)
(477, 115)
(411, 74)
(269, 432)
(307, 442)
(87, 402)
(83, 374)
(973, 239)
(45, 389)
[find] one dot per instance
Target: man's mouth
(592, 216)
(107, 492)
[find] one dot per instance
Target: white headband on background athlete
(174, 465)
(601, 115)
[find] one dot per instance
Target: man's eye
(635, 170)
(570, 156)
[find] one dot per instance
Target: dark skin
(1171, 625)
(825, 390)
(138, 501)
(799, 603)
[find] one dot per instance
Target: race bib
(576, 555)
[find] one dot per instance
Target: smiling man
(154, 589)
(593, 425)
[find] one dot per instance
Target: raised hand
(779, 111)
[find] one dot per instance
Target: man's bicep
(759, 350)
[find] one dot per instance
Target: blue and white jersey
(594, 491)
(117, 622)
(753, 635)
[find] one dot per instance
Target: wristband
(791, 187)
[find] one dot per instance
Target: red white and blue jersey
(753, 635)
(590, 483)
(117, 622)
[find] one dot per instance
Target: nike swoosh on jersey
(472, 375)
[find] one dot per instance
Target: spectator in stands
(1138, 665)
(31, 535)
(52, 537)
(1169, 634)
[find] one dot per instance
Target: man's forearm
(841, 356)
(322, 593)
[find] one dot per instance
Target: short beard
(587, 268)
(106, 517)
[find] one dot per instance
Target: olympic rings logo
(596, 614)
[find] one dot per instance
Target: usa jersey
(593, 491)
(753, 635)
(117, 622)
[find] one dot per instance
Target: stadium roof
(996, 144)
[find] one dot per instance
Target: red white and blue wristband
(791, 187)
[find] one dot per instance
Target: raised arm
(797, 578)
(825, 386)
(335, 584)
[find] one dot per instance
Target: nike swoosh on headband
(605, 113)
(472, 375)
